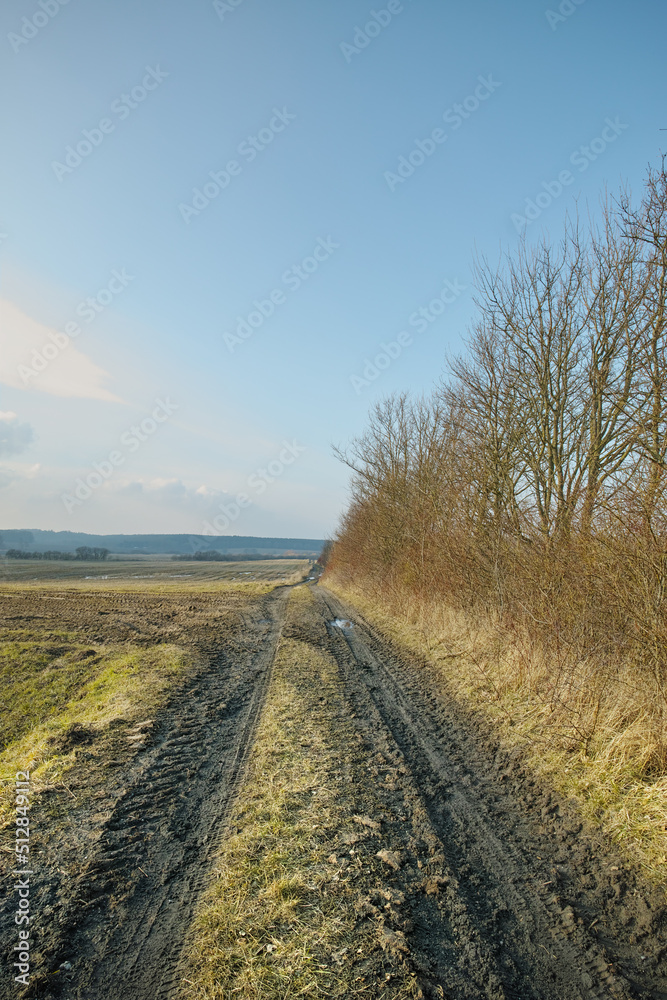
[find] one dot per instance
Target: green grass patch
(54, 695)
(36, 679)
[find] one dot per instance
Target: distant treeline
(212, 555)
(67, 541)
(84, 552)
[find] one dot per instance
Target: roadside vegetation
(511, 527)
(59, 697)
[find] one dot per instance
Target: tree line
(85, 552)
(531, 483)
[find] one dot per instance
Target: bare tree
(645, 229)
(612, 299)
(534, 303)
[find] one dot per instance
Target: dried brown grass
(590, 727)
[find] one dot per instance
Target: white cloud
(18, 474)
(15, 436)
(174, 493)
(65, 370)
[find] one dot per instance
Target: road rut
(121, 923)
(530, 906)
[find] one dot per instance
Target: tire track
(515, 936)
(127, 914)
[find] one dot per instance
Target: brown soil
(121, 852)
(490, 885)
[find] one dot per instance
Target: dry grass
(49, 689)
(51, 682)
(279, 922)
(584, 729)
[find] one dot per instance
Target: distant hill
(36, 540)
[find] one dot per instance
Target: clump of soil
(75, 736)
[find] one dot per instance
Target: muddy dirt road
(529, 905)
(498, 891)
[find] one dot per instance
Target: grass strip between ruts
(279, 920)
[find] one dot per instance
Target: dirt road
(530, 906)
(497, 890)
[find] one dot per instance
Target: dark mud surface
(116, 879)
(502, 893)
(491, 887)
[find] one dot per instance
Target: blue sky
(310, 240)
